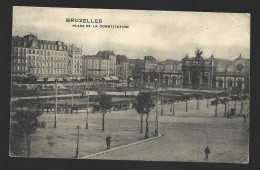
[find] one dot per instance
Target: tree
(208, 96)
(105, 103)
(225, 101)
(173, 100)
(243, 98)
(146, 104)
(185, 98)
(139, 109)
(198, 97)
(216, 102)
(45, 80)
(235, 98)
(26, 125)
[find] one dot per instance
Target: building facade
(215, 73)
(42, 58)
(122, 67)
(77, 60)
(167, 73)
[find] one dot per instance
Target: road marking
(120, 147)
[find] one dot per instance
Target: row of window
(47, 71)
(53, 47)
(57, 58)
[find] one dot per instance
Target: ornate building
(42, 58)
(166, 73)
(211, 73)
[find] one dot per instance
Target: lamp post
(156, 113)
(87, 107)
(77, 149)
(55, 120)
(162, 100)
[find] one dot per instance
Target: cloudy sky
(162, 34)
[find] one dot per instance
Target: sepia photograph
(139, 85)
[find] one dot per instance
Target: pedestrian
(108, 141)
(207, 152)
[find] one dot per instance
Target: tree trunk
(207, 103)
(173, 108)
(225, 113)
(28, 138)
(241, 107)
(216, 110)
(235, 105)
(198, 104)
(141, 130)
(103, 121)
(228, 107)
(147, 127)
(186, 106)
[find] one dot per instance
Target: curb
(120, 147)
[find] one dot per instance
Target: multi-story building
(122, 67)
(77, 59)
(165, 73)
(42, 58)
(103, 64)
(136, 67)
(108, 67)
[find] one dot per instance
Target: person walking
(108, 141)
(207, 152)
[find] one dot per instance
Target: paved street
(184, 139)
(185, 135)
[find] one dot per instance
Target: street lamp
(77, 150)
(156, 113)
(162, 101)
(87, 107)
(55, 120)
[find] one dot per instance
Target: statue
(198, 52)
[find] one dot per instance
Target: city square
(109, 94)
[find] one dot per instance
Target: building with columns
(230, 74)
(167, 73)
(215, 73)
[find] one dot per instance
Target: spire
(211, 56)
(240, 56)
(186, 56)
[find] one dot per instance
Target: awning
(40, 80)
(131, 79)
(60, 79)
(114, 78)
(51, 79)
(107, 78)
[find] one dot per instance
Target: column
(189, 77)
(216, 82)
(235, 81)
(243, 84)
(225, 82)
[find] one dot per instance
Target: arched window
(220, 83)
(229, 82)
(239, 83)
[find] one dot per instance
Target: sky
(162, 34)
